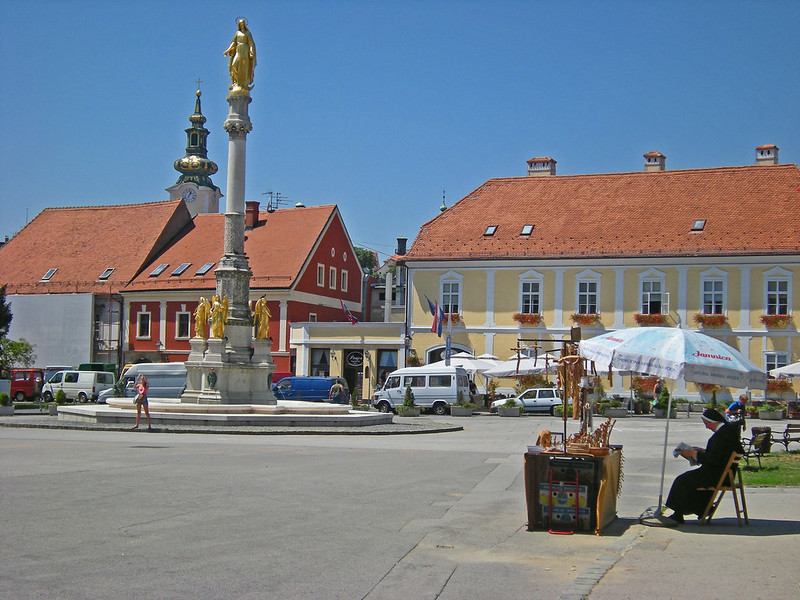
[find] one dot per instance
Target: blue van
(311, 389)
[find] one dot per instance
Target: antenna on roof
(275, 200)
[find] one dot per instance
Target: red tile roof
(748, 210)
(277, 249)
(83, 242)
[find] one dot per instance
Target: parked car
(78, 385)
(434, 388)
(533, 400)
(311, 389)
(26, 383)
(165, 380)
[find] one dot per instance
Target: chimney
(401, 246)
(541, 166)
(250, 214)
(767, 155)
(654, 161)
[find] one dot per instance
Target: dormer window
(526, 230)
(180, 269)
(158, 270)
(49, 274)
(106, 274)
(205, 268)
(490, 230)
(699, 225)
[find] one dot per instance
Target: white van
(433, 387)
(165, 380)
(77, 385)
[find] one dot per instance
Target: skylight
(180, 269)
(158, 270)
(49, 274)
(490, 230)
(205, 268)
(526, 230)
(699, 225)
(106, 274)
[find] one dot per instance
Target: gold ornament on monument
(241, 59)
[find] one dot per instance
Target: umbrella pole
(664, 458)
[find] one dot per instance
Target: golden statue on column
(219, 316)
(201, 316)
(261, 315)
(241, 58)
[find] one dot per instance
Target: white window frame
(332, 278)
(530, 277)
(774, 359)
(344, 280)
(188, 316)
(139, 317)
(587, 276)
(320, 275)
(650, 277)
(778, 275)
(448, 280)
(312, 317)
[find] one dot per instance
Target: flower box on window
(779, 385)
(650, 319)
(528, 318)
(710, 320)
(776, 320)
(453, 318)
(586, 319)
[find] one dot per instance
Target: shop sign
(355, 358)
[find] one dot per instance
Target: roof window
(205, 268)
(490, 230)
(106, 274)
(49, 274)
(699, 225)
(180, 269)
(526, 230)
(158, 270)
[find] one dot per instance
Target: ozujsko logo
(714, 356)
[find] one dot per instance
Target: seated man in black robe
(684, 498)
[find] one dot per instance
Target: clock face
(189, 195)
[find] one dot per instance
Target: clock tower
(194, 185)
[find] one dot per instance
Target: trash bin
(766, 445)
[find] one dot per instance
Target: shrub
(5, 400)
(61, 397)
(510, 403)
(408, 399)
(662, 402)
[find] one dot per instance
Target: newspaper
(685, 446)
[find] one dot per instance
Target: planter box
(615, 413)
(6, 411)
(770, 415)
(504, 411)
(408, 412)
(52, 410)
(461, 411)
(661, 413)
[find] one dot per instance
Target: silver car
(533, 400)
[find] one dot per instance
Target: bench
(790, 434)
(755, 447)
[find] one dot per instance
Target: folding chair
(727, 483)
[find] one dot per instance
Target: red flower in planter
(528, 318)
(779, 385)
(586, 319)
(776, 320)
(650, 319)
(710, 320)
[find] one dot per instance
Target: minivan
(26, 383)
(165, 380)
(434, 388)
(78, 385)
(311, 389)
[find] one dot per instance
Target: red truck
(26, 383)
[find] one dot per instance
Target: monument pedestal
(234, 381)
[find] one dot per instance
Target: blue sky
(379, 106)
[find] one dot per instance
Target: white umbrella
(524, 365)
(470, 364)
(792, 370)
(673, 353)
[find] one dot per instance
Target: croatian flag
(350, 316)
(438, 319)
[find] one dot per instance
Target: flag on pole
(438, 317)
(350, 316)
(431, 306)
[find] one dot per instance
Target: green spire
(195, 166)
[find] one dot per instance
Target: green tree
(5, 313)
(366, 258)
(15, 354)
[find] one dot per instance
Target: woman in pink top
(141, 400)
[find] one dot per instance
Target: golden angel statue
(241, 58)
(219, 316)
(201, 315)
(261, 315)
